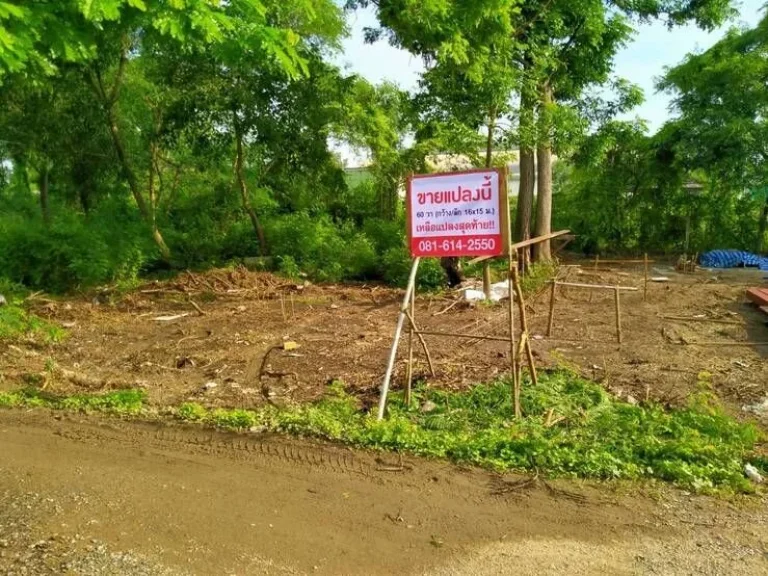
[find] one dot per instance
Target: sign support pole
(409, 290)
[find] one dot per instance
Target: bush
(321, 249)
(74, 250)
(397, 263)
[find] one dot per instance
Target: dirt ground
(88, 496)
(204, 338)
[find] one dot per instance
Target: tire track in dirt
(261, 448)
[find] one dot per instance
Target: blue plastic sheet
(733, 259)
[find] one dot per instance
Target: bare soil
(91, 496)
(204, 338)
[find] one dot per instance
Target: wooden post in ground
(398, 332)
(409, 376)
(552, 296)
(512, 352)
(617, 296)
(487, 279)
(597, 261)
(645, 286)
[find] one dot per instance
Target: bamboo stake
(726, 344)
(409, 375)
(422, 341)
(599, 286)
(520, 351)
(293, 307)
(463, 335)
(712, 320)
(511, 311)
(645, 285)
(552, 297)
(398, 331)
(487, 280)
(524, 325)
(617, 296)
(282, 307)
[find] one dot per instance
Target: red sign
(458, 214)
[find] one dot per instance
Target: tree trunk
(239, 174)
(43, 186)
(489, 141)
(527, 169)
(763, 226)
(542, 251)
(108, 102)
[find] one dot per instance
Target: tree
(722, 103)
(104, 37)
(552, 50)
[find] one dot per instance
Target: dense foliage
(139, 136)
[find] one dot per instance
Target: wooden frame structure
(645, 262)
(617, 301)
(518, 352)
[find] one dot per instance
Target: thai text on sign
(458, 214)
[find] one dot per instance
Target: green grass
(15, 323)
(572, 428)
(121, 402)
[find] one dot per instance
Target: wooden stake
(422, 341)
(511, 311)
(282, 307)
(396, 340)
(524, 326)
(487, 279)
(293, 308)
(645, 286)
(617, 297)
(599, 286)
(409, 375)
(552, 296)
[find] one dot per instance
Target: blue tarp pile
(733, 259)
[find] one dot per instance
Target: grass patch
(572, 428)
(15, 323)
(121, 402)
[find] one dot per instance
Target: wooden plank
(523, 244)
(758, 295)
(598, 286)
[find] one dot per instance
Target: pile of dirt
(234, 281)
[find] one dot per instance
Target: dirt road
(81, 495)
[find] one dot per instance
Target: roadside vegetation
(571, 428)
(214, 133)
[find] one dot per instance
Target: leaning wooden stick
(512, 360)
(617, 296)
(552, 296)
(396, 340)
(409, 375)
(422, 341)
(524, 325)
